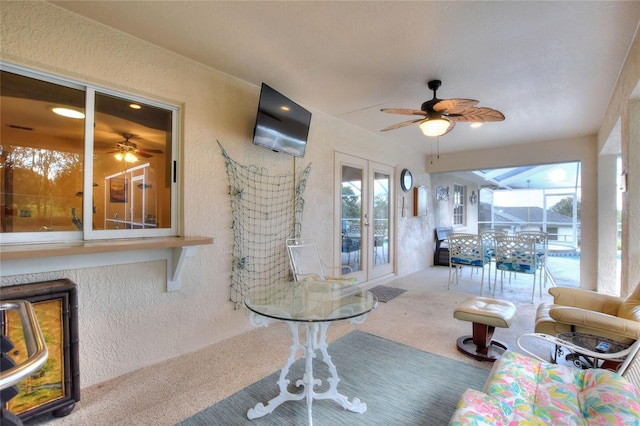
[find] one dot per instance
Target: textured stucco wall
(127, 320)
(623, 108)
(443, 210)
(631, 199)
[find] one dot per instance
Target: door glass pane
(352, 217)
(41, 155)
(381, 209)
(132, 165)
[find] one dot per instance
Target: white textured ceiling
(549, 66)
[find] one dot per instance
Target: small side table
(316, 305)
(589, 342)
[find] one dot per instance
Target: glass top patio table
(315, 305)
(589, 342)
(311, 301)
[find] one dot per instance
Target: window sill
(20, 259)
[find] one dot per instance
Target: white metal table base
(316, 333)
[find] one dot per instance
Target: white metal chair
(306, 263)
(488, 238)
(516, 254)
(541, 241)
(465, 250)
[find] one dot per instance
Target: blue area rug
(401, 385)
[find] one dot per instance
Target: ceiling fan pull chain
(431, 152)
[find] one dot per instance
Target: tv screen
(281, 124)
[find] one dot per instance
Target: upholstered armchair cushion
(586, 299)
(630, 307)
(590, 312)
(597, 322)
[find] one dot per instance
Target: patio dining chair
(307, 265)
(541, 241)
(465, 250)
(488, 238)
(518, 255)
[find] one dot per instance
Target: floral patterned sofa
(523, 390)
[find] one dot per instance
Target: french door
(364, 208)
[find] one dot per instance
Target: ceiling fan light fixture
(434, 127)
(130, 157)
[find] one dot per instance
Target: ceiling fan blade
(404, 111)
(143, 154)
(152, 151)
(475, 115)
(403, 124)
(451, 126)
(455, 105)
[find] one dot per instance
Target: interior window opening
(44, 176)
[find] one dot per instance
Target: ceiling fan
(127, 150)
(439, 116)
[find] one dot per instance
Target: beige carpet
(169, 392)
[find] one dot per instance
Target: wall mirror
(420, 201)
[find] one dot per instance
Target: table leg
(316, 334)
(332, 393)
(260, 409)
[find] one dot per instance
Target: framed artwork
(442, 193)
(118, 190)
(420, 201)
(55, 387)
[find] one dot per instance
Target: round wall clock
(406, 180)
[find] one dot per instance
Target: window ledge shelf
(20, 259)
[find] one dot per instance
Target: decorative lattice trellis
(266, 211)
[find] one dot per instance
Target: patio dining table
(315, 305)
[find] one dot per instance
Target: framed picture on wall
(442, 193)
(419, 201)
(55, 387)
(118, 190)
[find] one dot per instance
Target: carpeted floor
(400, 385)
(385, 294)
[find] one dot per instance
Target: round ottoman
(485, 314)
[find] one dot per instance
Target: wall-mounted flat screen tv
(281, 124)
